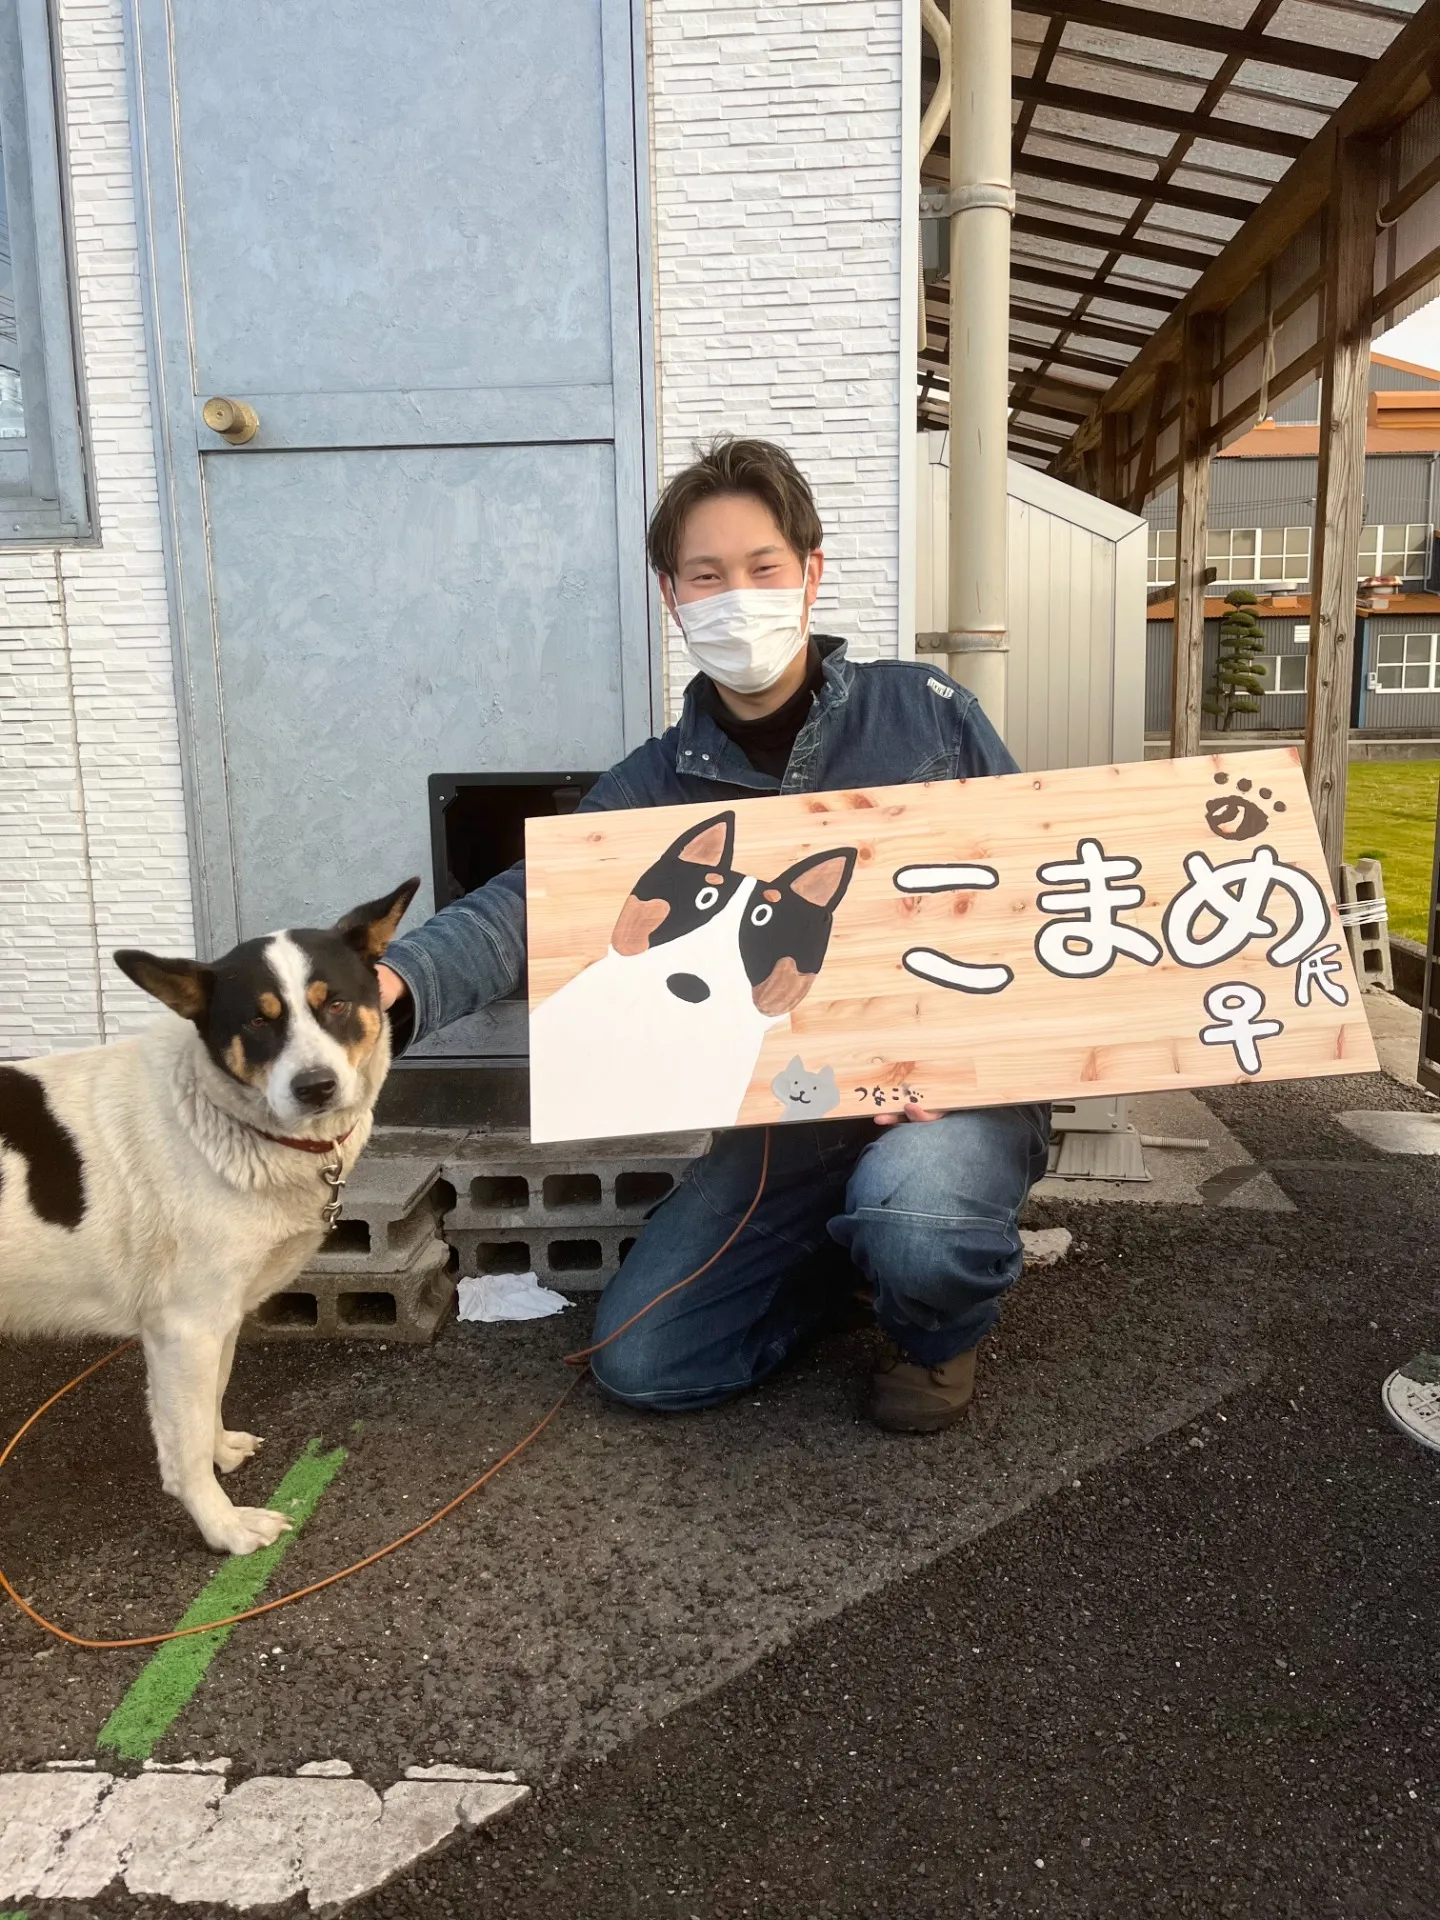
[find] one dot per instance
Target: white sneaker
(1411, 1397)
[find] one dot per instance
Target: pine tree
(1240, 669)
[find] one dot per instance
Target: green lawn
(1390, 816)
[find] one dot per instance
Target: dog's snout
(315, 1087)
(688, 986)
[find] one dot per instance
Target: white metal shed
(1076, 693)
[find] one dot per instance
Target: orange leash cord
(579, 1359)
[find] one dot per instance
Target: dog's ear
(185, 986)
(708, 845)
(822, 879)
(371, 928)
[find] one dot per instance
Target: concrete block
(575, 1259)
(1366, 922)
(361, 1244)
(502, 1181)
(391, 1205)
(410, 1305)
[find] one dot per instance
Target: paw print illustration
(1234, 817)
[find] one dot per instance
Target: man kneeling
(917, 1214)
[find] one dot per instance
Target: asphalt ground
(736, 1655)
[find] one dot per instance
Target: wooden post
(1340, 483)
(1192, 487)
(1145, 466)
(1107, 477)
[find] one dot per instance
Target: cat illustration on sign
(805, 1094)
(662, 1034)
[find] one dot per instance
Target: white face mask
(747, 638)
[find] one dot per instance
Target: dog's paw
(246, 1530)
(234, 1449)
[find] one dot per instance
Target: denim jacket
(874, 723)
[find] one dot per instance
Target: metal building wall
(1160, 511)
(1262, 493)
(1396, 713)
(1302, 409)
(1279, 712)
(1159, 671)
(1400, 489)
(1398, 380)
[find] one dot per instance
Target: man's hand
(921, 1114)
(391, 987)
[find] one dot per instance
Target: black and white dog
(163, 1187)
(662, 1034)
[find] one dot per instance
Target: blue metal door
(407, 237)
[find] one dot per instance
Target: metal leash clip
(334, 1177)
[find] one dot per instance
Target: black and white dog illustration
(662, 1034)
(164, 1186)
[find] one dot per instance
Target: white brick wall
(776, 161)
(93, 850)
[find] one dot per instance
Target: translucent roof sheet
(1143, 139)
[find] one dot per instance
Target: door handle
(233, 420)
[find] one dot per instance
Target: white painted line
(188, 1836)
(444, 1771)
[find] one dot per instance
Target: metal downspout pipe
(981, 204)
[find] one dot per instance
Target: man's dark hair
(755, 467)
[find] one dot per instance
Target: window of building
(1404, 551)
(1233, 555)
(1408, 662)
(1280, 556)
(1286, 672)
(1285, 554)
(43, 494)
(1259, 556)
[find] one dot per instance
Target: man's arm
(473, 951)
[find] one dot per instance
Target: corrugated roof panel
(1324, 26)
(1135, 124)
(1310, 89)
(1231, 168)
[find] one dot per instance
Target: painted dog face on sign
(663, 1032)
(784, 926)
(690, 885)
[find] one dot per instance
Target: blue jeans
(925, 1212)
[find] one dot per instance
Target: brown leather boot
(907, 1398)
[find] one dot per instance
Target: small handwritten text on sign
(1101, 931)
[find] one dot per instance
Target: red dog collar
(303, 1146)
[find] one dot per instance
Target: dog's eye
(706, 898)
(762, 916)
(337, 1006)
(257, 1022)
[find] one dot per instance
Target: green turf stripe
(164, 1686)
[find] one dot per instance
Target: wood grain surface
(877, 1017)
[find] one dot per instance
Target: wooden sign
(1105, 930)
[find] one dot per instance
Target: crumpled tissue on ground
(508, 1296)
